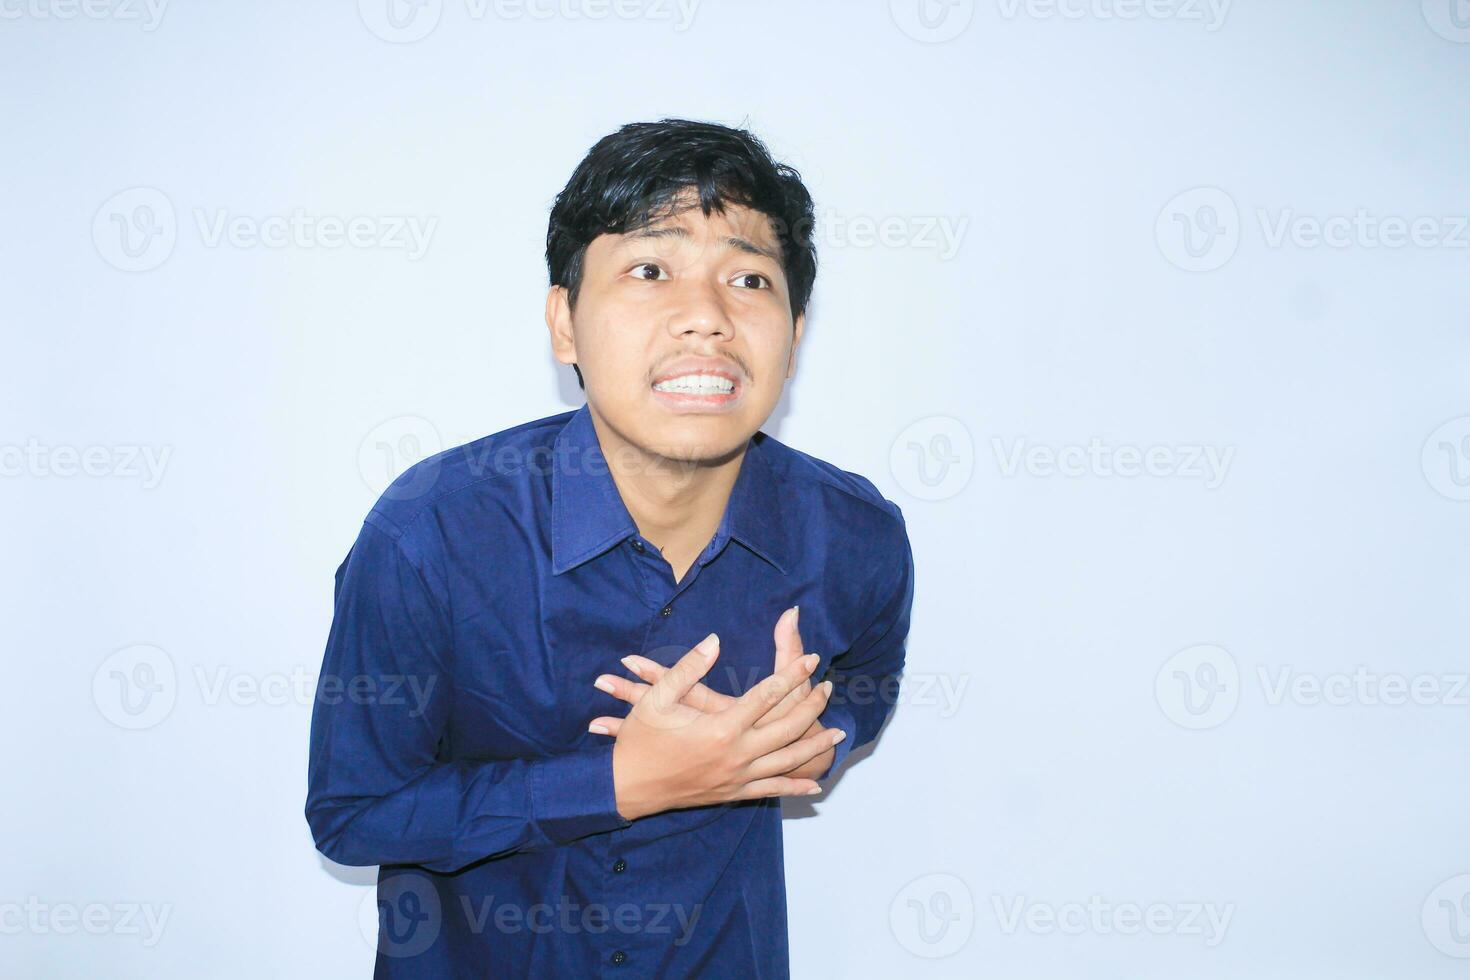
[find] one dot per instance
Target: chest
(528, 647)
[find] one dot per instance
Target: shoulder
(840, 488)
(860, 523)
(465, 477)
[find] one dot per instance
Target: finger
(703, 698)
(783, 732)
(789, 648)
(778, 786)
(768, 693)
(787, 703)
(788, 638)
(605, 725)
(621, 688)
(686, 672)
(798, 753)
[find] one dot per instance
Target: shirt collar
(588, 515)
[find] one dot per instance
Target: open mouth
(702, 390)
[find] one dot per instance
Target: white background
(1047, 749)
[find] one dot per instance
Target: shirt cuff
(573, 795)
(837, 716)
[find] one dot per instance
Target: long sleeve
(377, 791)
(865, 678)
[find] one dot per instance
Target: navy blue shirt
(486, 590)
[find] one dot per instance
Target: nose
(699, 311)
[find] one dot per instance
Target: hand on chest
(525, 665)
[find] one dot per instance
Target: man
(473, 733)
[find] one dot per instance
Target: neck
(676, 503)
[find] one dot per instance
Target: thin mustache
(731, 358)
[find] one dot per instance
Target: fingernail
(810, 661)
(828, 691)
(838, 736)
(603, 684)
(710, 645)
(795, 614)
(628, 662)
(597, 729)
(813, 791)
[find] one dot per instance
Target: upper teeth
(698, 384)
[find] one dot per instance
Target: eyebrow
(680, 232)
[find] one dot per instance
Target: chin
(700, 438)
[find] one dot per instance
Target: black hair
(630, 178)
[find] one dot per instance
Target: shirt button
(620, 866)
(637, 546)
(619, 958)
(666, 611)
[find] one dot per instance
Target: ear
(795, 342)
(559, 323)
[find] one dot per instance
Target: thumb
(789, 648)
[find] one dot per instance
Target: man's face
(683, 331)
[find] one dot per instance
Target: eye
(753, 275)
(637, 270)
